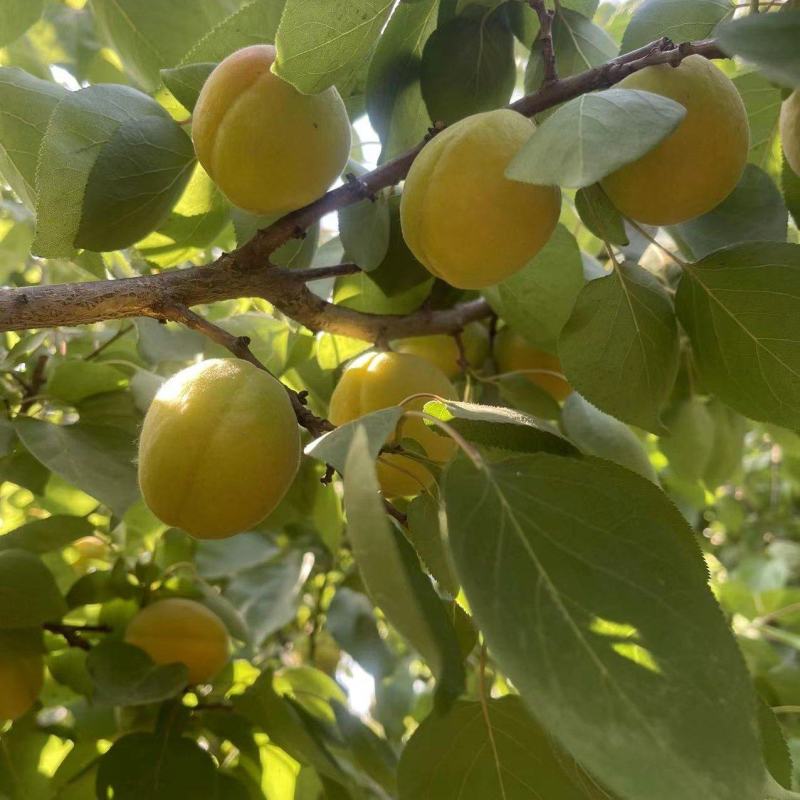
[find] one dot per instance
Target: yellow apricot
(21, 680)
(442, 350)
(267, 146)
(89, 547)
(513, 354)
(695, 168)
(790, 130)
(461, 217)
(219, 448)
(177, 630)
(380, 380)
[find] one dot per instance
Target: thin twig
(37, 381)
(545, 40)
(73, 634)
(118, 335)
(320, 273)
(395, 512)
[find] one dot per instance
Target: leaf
(468, 67)
(16, 16)
(111, 166)
(727, 450)
(44, 535)
(600, 216)
(739, 307)
(620, 346)
(96, 458)
(391, 573)
(767, 40)
(592, 136)
(762, 101)
(393, 95)
(225, 558)
(28, 592)
(537, 301)
(350, 619)
(579, 45)
(753, 212)
(791, 190)
(494, 426)
(503, 753)
(325, 42)
(156, 767)
(379, 426)
(186, 81)
(688, 445)
(680, 20)
(595, 605)
(124, 675)
(425, 534)
(26, 104)
(598, 434)
(364, 230)
(75, 379)
(146, 36)
(776, 752)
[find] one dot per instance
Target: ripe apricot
(513, 354)
(380, 380)
(219, 448)
(267, 146)
(442, 350)
(89, 547)
(790, 130)
(695, 168)
(177, 630)
(21, 680)
(461, 217)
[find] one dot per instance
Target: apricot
(219, 448)
(790, 130)
(380, 380)
(177, 630)
(461, 217)
(442, 350)
(513, 354)
(90, 547)
(21, 680)
(697, 166)
(268, 147)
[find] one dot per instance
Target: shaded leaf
(28, 592)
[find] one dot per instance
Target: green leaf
(96, 458)
(394, 97)
(598, 434)
(424, 531)
(364, 230)
(753, 212)
(619, 348)
(111, 166)
(600, 216)
(688, 445)
(494, 426)
(28, 592)
(76, 379)
(739, 307)
(776, 752)
(791, 190)
(762, 100)
(594, 135)
(325, 42)
(537, 301)
(392, 575)
(379, 426)
(502, 753)
(147, 37)
(26, 104)
(156, 767)
(624, 655)
(185, 82)
(579, 45)
(767, 40)
(44, 535)
(16, 16)
(124, 675)
(468, 67)
(727, 450)
(680, 20)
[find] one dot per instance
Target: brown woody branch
(545, 40)
(73, 634)
(246, 272)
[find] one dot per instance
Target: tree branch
(246, 272)
(545, 39)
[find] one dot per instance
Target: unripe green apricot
(790, 130)
(697, 166)
(442, 350)
(379, 380)
(219, 448)
(177, 630)
(21, 680)
(513, 354)
(268, 147)
(462, 218)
